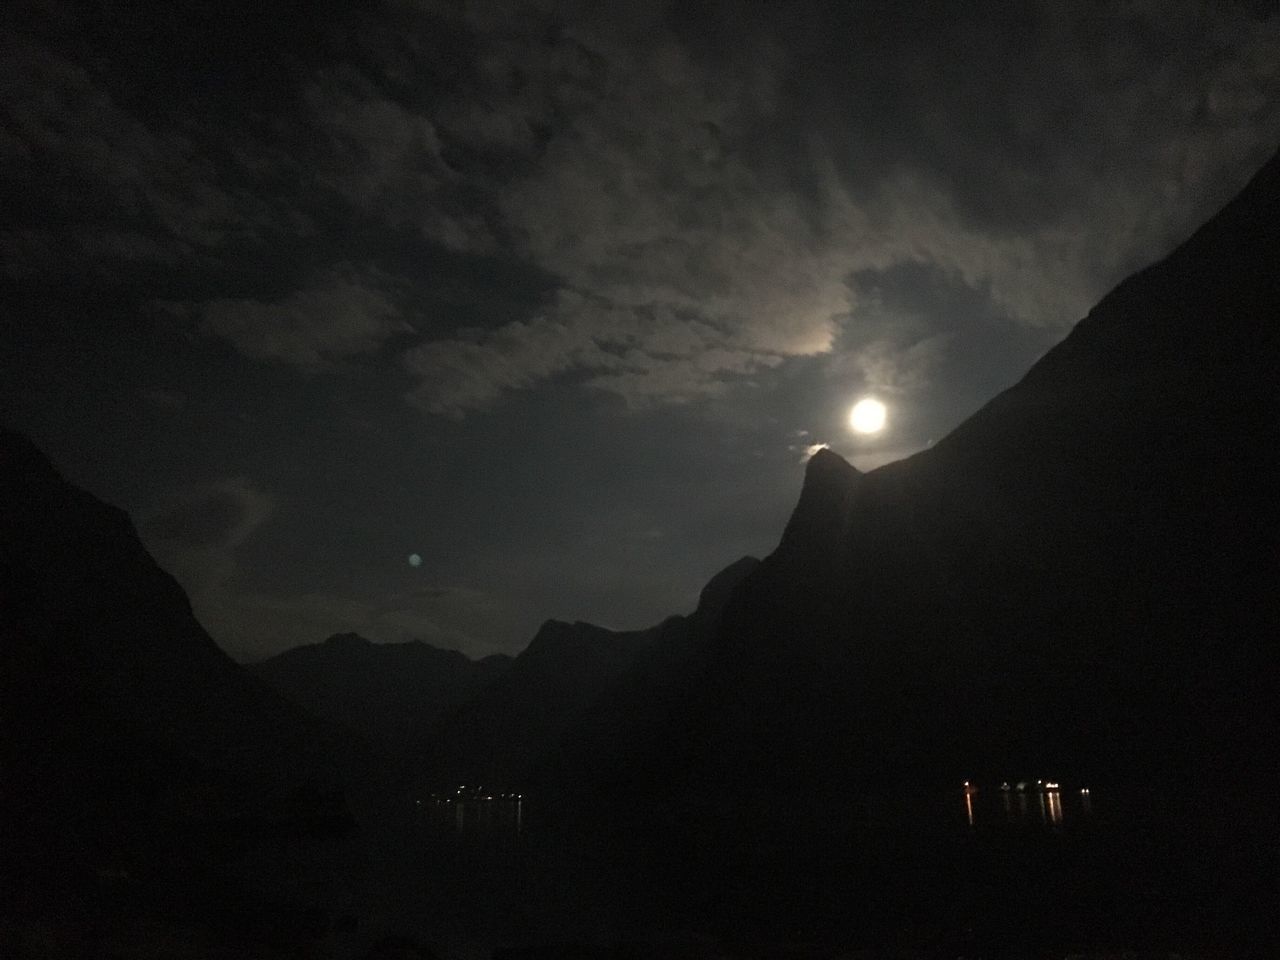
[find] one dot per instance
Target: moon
(867, 416)
(415, 560)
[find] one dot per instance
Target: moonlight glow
(867, 416)
(415, 560)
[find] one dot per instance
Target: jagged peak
(826, 463)
(351, 649)
(830, 482)
(553, 630)
(552, 626)
(556, 637)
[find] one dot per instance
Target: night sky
(558, 296)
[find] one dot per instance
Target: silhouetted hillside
(127, 732)
(497, 736)
(1082, 577)
(393, 694)
(573, 682)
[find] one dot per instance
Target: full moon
(867, 416)
(415, 560)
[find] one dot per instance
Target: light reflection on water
(505, 816)
(1042, 806)
(491, 816)
(1012, 859)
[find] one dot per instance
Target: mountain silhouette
(393, 694)
(503, 730)
(1081, 577)
(571, 684)
(127, 733)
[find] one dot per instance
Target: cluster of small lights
(463, 795)
(1047, 792)
(1021, 786)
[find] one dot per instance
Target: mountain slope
(393, 694)
(1082, 576)
(496, 737)
(123, 723)
(573, 686)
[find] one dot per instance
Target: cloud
(386, 161)
(339, 314)
(65, 132)
(807, 452)
(195, 535)
(460, 374)
(738, 190)
(642, 354)
(702, 189)
(681, 271)
(895, 370)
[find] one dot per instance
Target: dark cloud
(208, 521)
(156, 188)
(342, 312)
(1036, 156)
(203, 536)
(197, 534)
(699, 186)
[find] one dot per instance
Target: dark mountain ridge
(569, 685)
(126, 730)
(1081, 577)
(393, 694)
(498, 719)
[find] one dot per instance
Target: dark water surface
(957, 873)
(912, 873)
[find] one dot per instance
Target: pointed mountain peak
(553, 627)
(826, 464)
(557, 634)
(830, 484)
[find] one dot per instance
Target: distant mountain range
(121, 715)
(497, 719)
(395, 695)
(562, 685)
